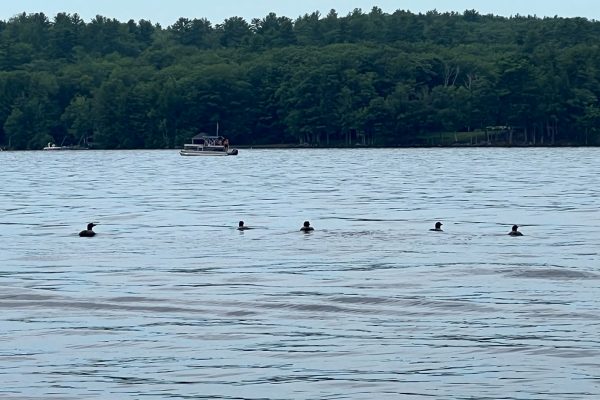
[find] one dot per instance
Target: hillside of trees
(370, 78)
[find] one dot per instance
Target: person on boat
(306, 227)
(438, 227)
(89, 231)
(226, 144)
(242, 227)
(514, 231)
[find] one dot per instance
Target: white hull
(202, 153)
(63, 148)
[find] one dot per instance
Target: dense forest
(373, 78)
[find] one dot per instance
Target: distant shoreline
(302, 147)
(262, 147)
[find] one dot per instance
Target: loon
(241, 226)
(514, 231)
(438, 227)
(88, 232)
(307, 227)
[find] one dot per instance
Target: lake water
(170, 301)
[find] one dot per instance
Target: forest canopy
(368, 78)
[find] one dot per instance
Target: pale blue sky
(166, 12)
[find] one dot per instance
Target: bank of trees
(367, 77)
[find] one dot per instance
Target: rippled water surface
(170, 301)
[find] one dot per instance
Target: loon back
(87, 233)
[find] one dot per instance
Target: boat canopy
(208, 140)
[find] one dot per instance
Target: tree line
(368, 78)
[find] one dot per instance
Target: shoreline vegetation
(366, 79)
(355, 147)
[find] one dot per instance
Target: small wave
(553, 273)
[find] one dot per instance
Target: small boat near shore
(54, 147)
(203, 145)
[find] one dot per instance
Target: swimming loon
(306, 227)
(514, 231)
(241, 226)
(438, 227)
(88, 232)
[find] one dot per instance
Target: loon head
(90, 226)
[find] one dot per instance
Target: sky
(166, 12)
